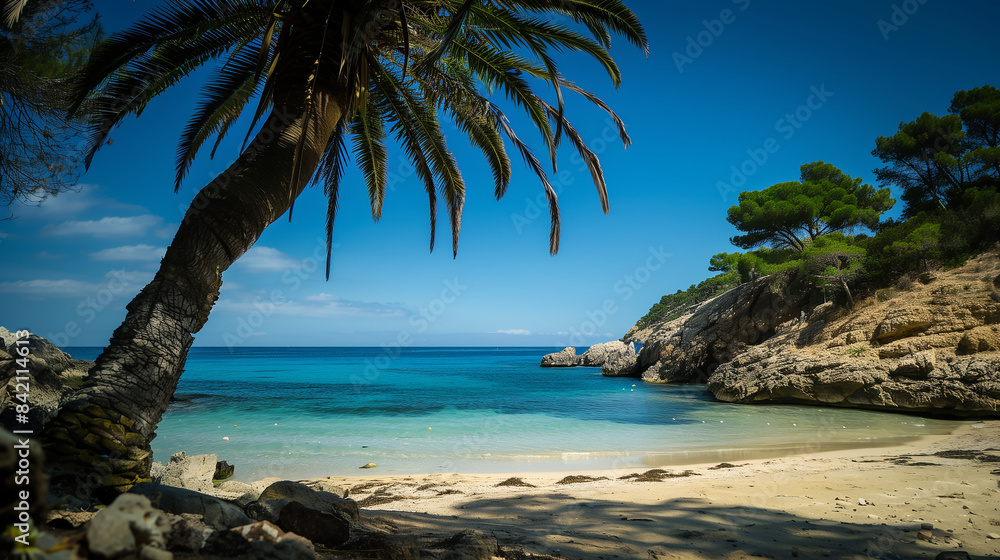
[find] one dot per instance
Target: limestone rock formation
(598, 354)
(126, 527)
(564, 358)
(616, 358)
(932, 348)
(53, 377)
(194, 472)
(620, 362)
(688, 348)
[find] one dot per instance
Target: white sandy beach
(899, 502)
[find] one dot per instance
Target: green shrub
(674, 305)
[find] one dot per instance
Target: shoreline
(913, 445)
(907, 501)
(570, 462)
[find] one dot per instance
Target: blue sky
(736, 95)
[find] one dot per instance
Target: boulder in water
(564, 358)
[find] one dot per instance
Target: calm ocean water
(309, 412)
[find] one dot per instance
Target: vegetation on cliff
(948, 171)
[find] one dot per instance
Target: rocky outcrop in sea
(564, 358)
(615, 358)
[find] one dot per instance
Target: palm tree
(332, 79)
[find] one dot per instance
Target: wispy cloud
(167, 231)
(48, 287)
(266, 259)
(130, 253)
(318, 305)
(109, 227)
(115, 280)
(518, 332)
(321, 297)
(75, 202)
(45, 255)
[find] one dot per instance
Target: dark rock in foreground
(326, 529)
(216, 513)
(271, 502)
(223, 470)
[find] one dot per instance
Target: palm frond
(509, 29)
(408, 129)
(450, 34)
(223, 100)
(370, 153)
(619, 123)
(504, 70)
(332, 172)
(400, 67)
(307, 116)
(195, 24)
(536, 166)
(12, 11)
(588, 156)
(128, 88)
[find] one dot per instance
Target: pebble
(862, 502)
(993, 536)
(368, 466)
(925, 536)
(927, 526)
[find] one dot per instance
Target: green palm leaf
(222, 103)
(368, 133)
(400, 67)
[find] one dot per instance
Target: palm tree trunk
(101, 439)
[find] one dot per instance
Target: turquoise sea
(309, 412)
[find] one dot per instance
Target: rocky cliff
(930, 346)
(690, 347)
